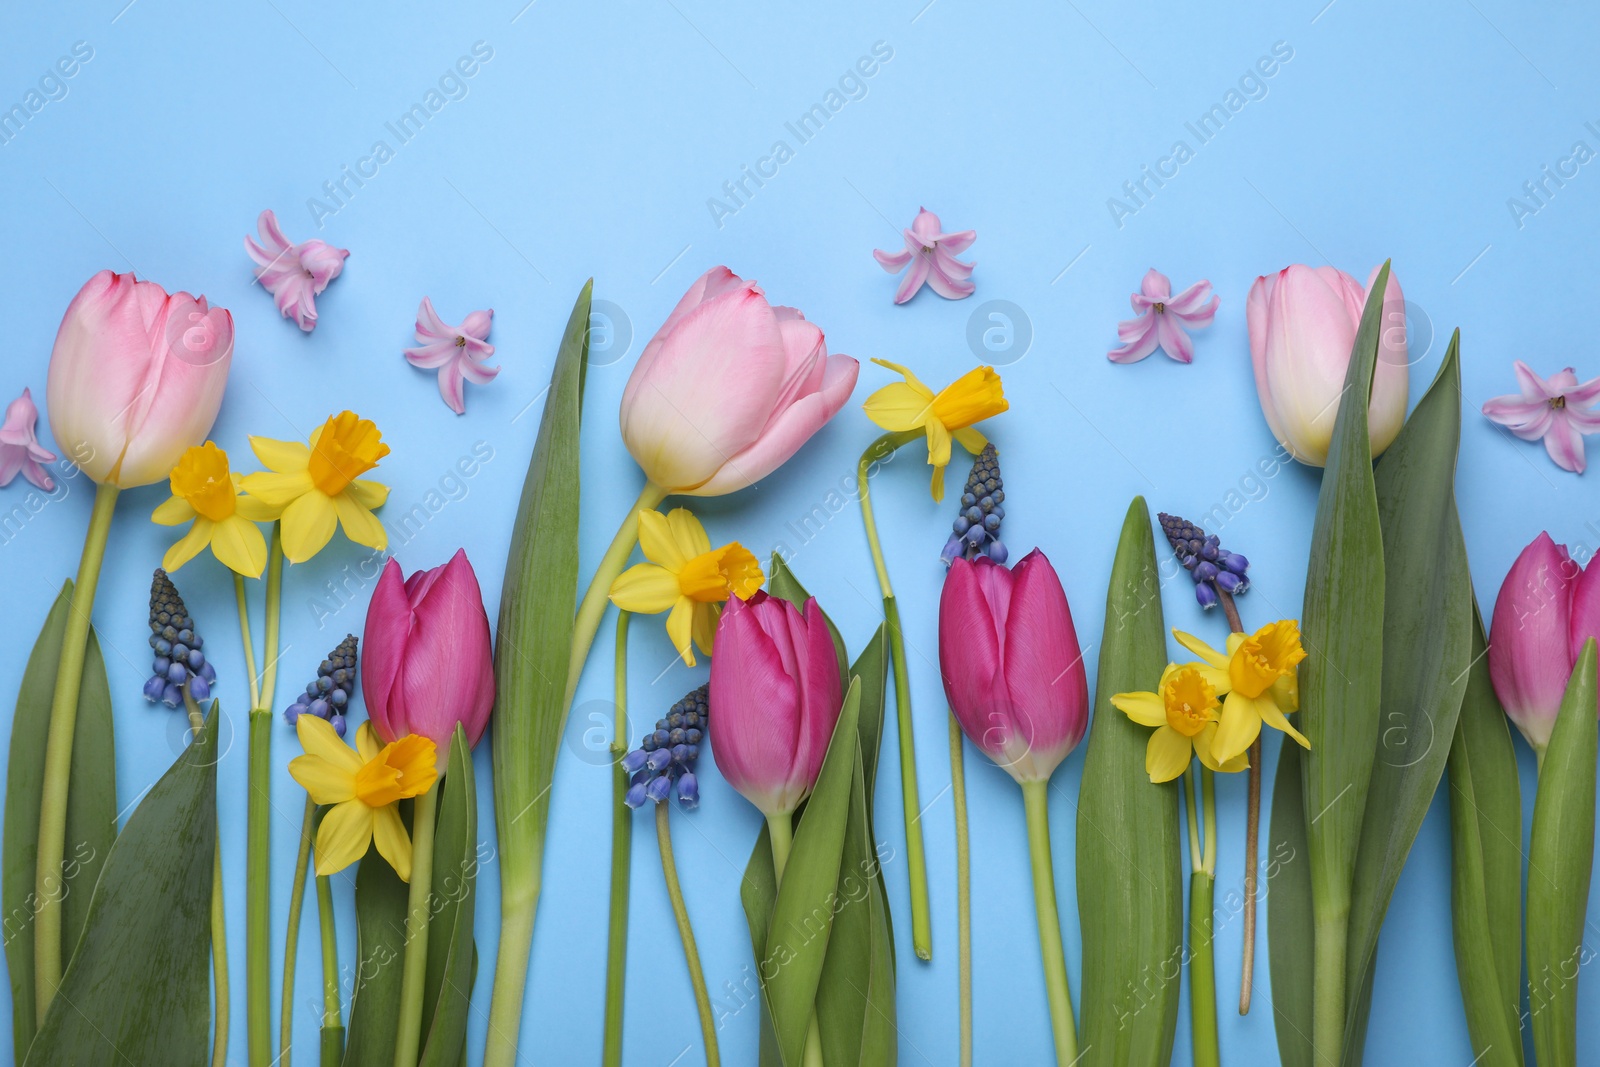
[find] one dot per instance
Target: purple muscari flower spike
(1213, 568)
(178, 658)
(328, 696)
(668, 753)
(976, 531)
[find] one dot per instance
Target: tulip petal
(756, 735)
(388, 627)
(1044, 668)
(1530, 638)
(394, 844)
(1167, 755)
(645, 589)
(344, 835)
(1584, 620)
(1146, 709)
(239, 546)
(189, 545)
(307, 525)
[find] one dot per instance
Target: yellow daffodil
(686, 575)
(205, 492)
(363, 789)
(910, 405)
(1260, 685)
(312, 488)
(1184, 713)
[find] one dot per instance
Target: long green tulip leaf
(150, 915)
(1289, 921)
(1130, 881)
(1486, 867)
(447, 991)
(1560, 861)
(381, 902)
(91, 807)
(1427, 636)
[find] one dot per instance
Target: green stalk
(1202, 889)
(1036, 797)
(780, 828)
(958, 788)
(691, 955)
(408, 1033)
(47, 966)
(593, 607)
(219, 918)
(244, 637)
(258, 834)
(332, 1017)
(916, 863)
(621, 862)
(291, 941)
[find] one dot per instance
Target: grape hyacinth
(667, 754)
(178, 657)
(1212, 567)
(329, 695)
(976, 531)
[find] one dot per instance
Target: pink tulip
(729, 388)
(428, 663)
(775, 698)
(1547, 607)
(1012, 669)
(136, 377)
(1302, 326)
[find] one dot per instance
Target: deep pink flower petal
(948, 284)
(1583, 396)
(756, 729)
(383, 651)
(452, 388)
(1173, 340)
(1533, 387)
(1584, 620)
(1513, 410)
(893, 262)
(1155, 286)
(431, 355)
(1044, 668)
(476, 325)
(1139, 347)
(430, 327)
(1564, 443)
(1530, 637)
(1195, 303)
(970, 653)
(916, 276)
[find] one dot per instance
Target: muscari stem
(621, 862)
(219, 918)
(911, 805)
(1035, 796)
(258, 819)
(780, 829)
(958, 788)
(593, 607)
(332, 1016)
(291, 941)
(1252, 835)
(408, 1031)
(691, 955)
(48, 896)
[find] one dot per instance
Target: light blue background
(589, 145)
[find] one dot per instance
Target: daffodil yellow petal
(645, 589)
(254, 509)
(680, 628)
(687, 533)
(705, 625)
(1145, 709)
(277, 491)
(900, 406)
(905, 372)
(1234, 641)
(1237, 727)
(318, 738)
(970, 439)
(189, 545)
(344, 835)
(1167, 755)
(1203, 747)
(1201, 649)
(325, 782)
(1286, 692)
(1273, 716)
(285, 457)
(239, 546)
(173, 511)
(369, 494)
(938, 444)
(657, 542)
(367, 743)
(360, 525)
(308, 526)
(394, 844)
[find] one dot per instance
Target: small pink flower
(19, 449)
(932, 255)
(457, 351)
(293, 274)
(1162, 318)
(1557, 409)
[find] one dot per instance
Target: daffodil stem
(47, 887)
(1252, 835)
(780, 829)
(258, 823)
(958, 788)
(910, 802)
(332, 1015)
(593, 606)
(1036, 801)
(219, 918)
(408, 1033)
(244, 637)
(291, 941)
(691, 955)
(621, 861)
(1202, 886)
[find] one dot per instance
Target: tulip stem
(910, 802)
(593, 607)
(219, 916)
(1036, 800)
(780, 829)
(691, 955)
(621, 861)
(408, 1034)
(291, 941)
(258, 819)
(958, 789)
(48, 890)
(332, 1016)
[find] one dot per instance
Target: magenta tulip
(775, 698)
(136, 378)
(1012, 669)
(427, 663)
(1547, 607)
(728, 389)
(1302, 326)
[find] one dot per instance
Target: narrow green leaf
(447, 990)
(91, 807)
(1130, 881)
(758, 892)
(1289, 921)
(1427, 636)
(1560, 861)
(381, 902)
(150, 915)
(782, 584)
(871, 672)
(1486, 866)
(803, 914)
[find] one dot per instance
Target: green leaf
(782, 584)
(150, 915)
(1560, 860)
(1289, 919)
(758, 892)
(447, 990)
(1427, 636)
(381, 902)
(802, 916)
(91, 807)
(1130, 882)
(1486, 867)
(870, 672)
